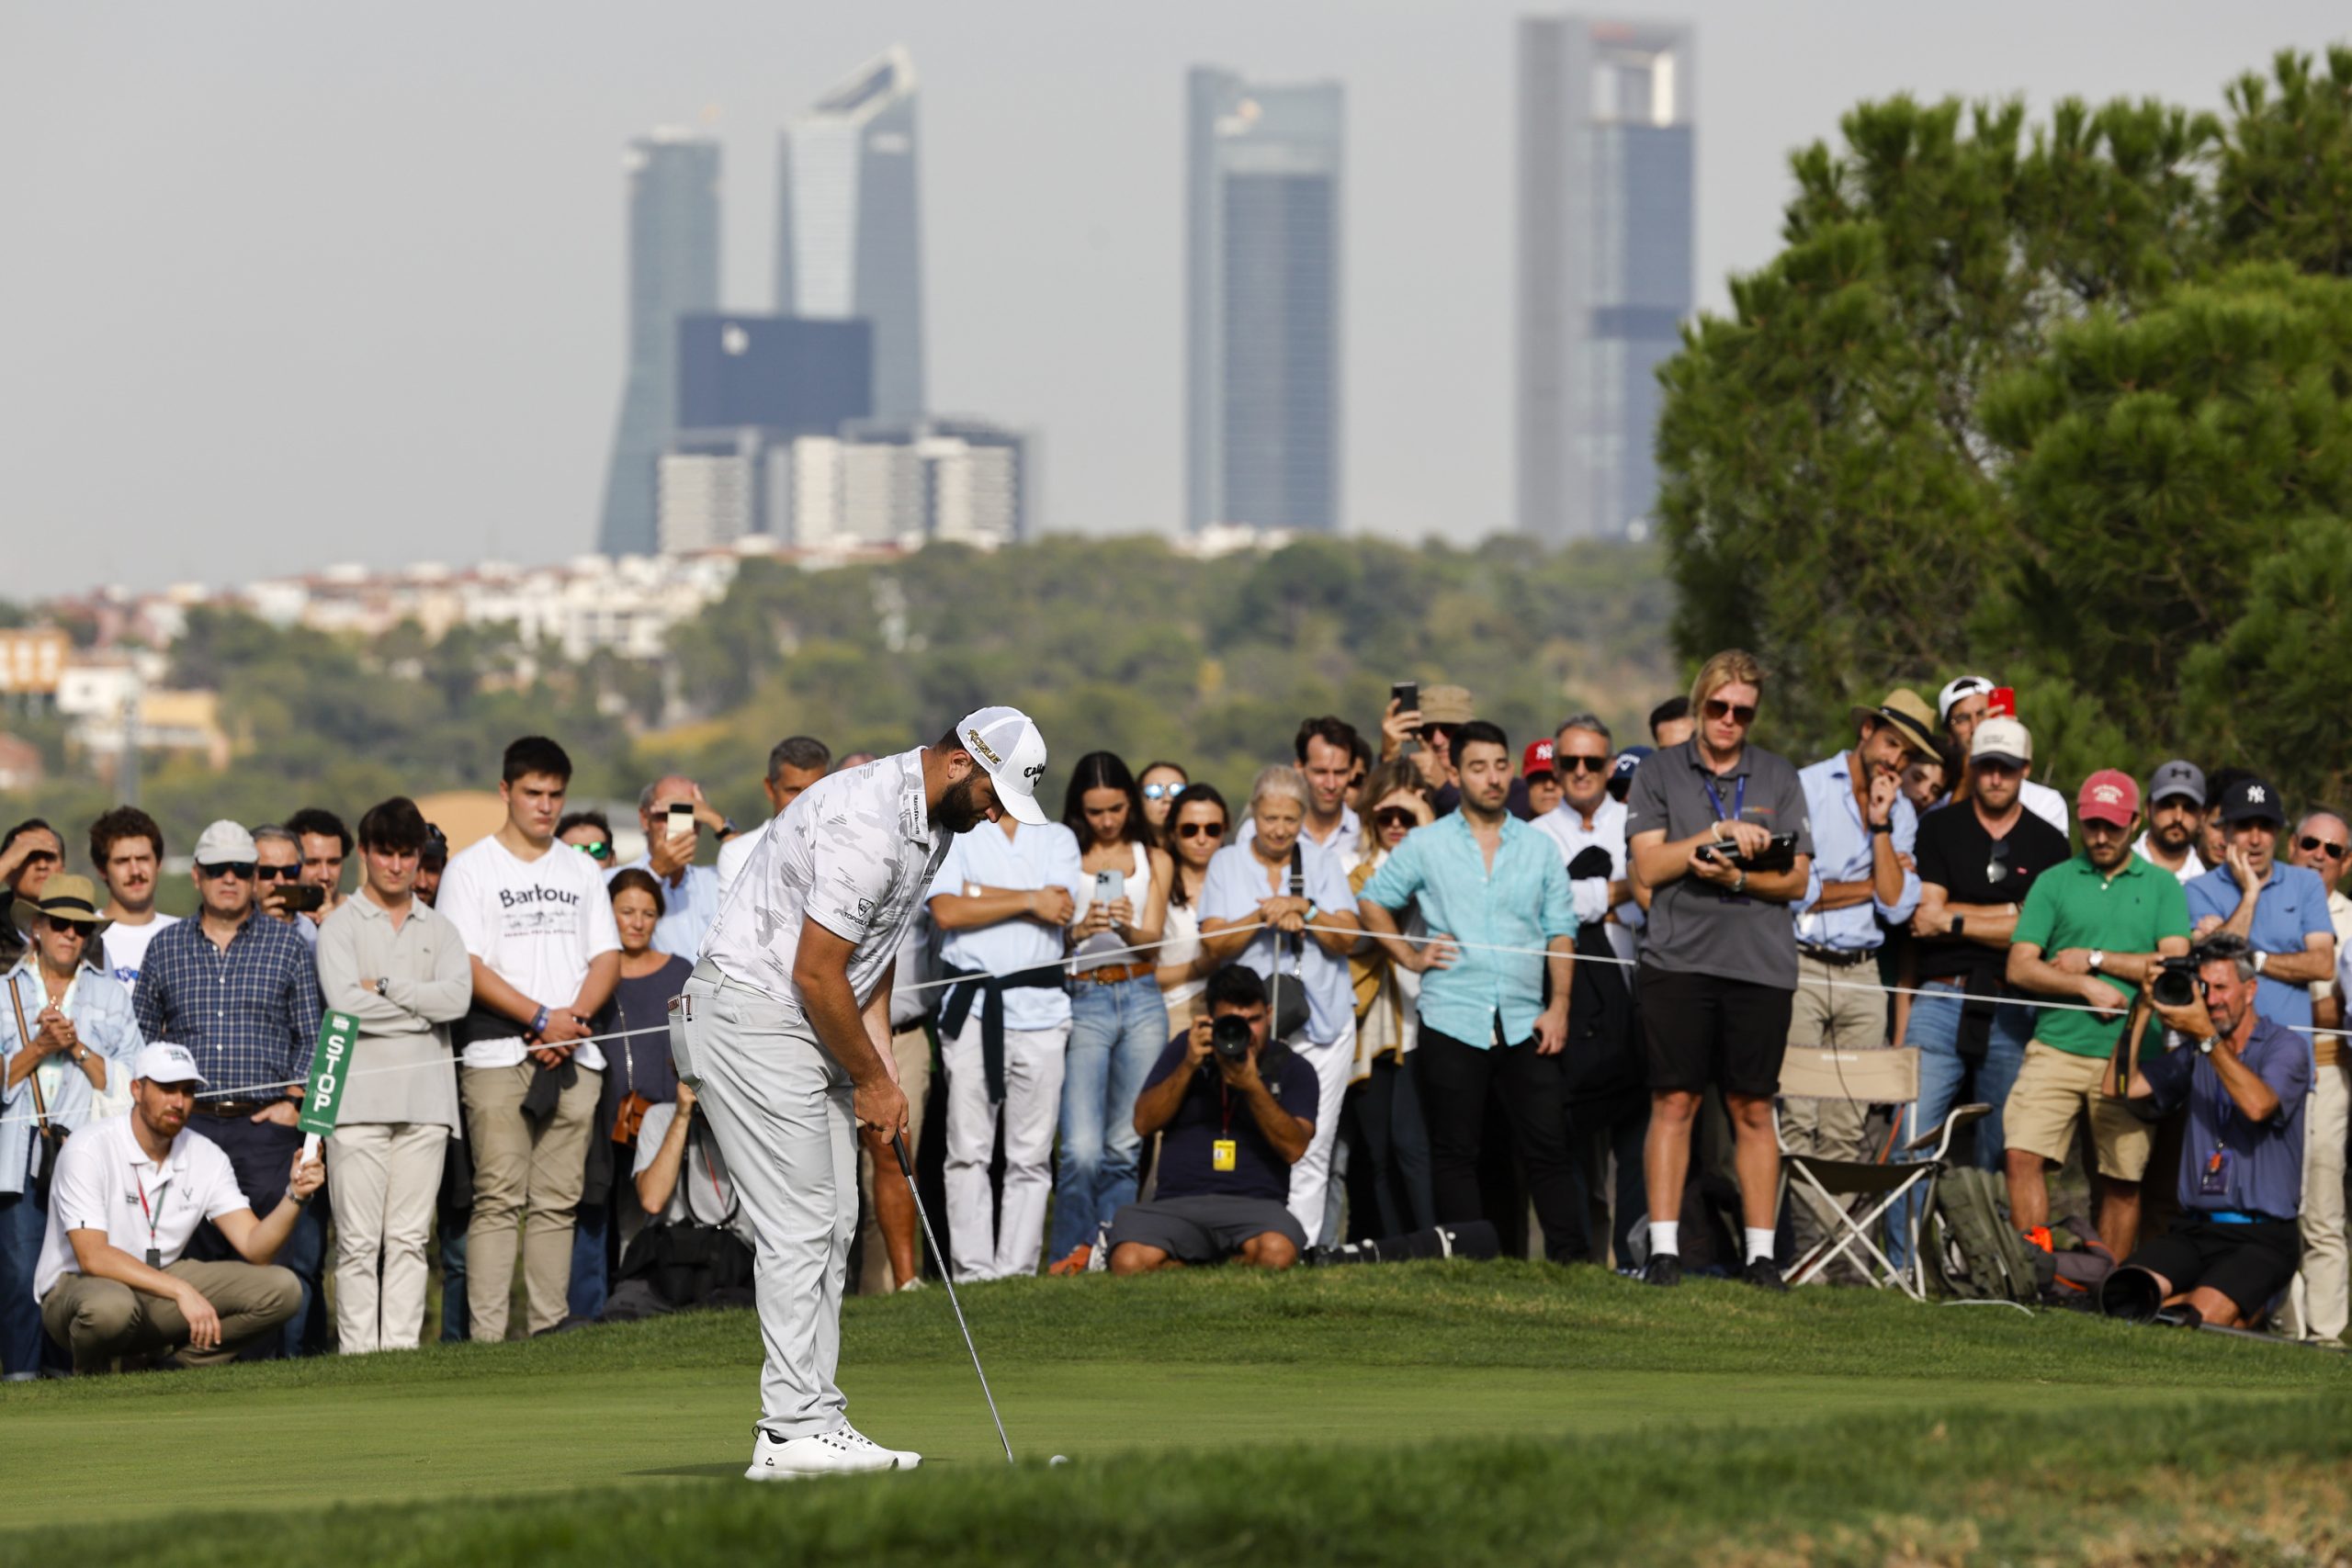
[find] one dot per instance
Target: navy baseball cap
(1621, 777)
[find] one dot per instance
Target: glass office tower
(1263, 302)
(672, 269)
(1607, 223)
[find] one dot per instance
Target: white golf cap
(1006, 742)
(2001, 740)
(223, 844)
(163, 1062)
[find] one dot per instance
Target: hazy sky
(290, 284)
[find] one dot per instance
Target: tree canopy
(2061, 403)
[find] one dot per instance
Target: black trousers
(1619, 1124)
(1455, 1080)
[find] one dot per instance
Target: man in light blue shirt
(1003, 899)
(1864, 834)
(689, 892)
(2282, 910)
(1497, 901)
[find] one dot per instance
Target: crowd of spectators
(1425, 974)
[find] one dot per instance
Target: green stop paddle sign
(330, 1066)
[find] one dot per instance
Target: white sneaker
(829, 1453)
(907, 1459)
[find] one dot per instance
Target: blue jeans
(1934, 1032)
(1117, 1032)
(22, 1221)
(591, 1280)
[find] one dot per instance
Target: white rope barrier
(245, 1091)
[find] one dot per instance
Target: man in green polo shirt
(2091, 932)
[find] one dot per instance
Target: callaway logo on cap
(1007, 744)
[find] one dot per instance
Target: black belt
(224, 1108)
(1837, 957)
(990, 990)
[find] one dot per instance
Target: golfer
(784, 1032)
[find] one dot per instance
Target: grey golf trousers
(781, 1109)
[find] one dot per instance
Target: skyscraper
(672, 269)
(848, 240)
(1607, 216)
(1261, 277)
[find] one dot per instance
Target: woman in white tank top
(1118, 1023)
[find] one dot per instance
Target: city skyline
(445, 284)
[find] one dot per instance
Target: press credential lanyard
(1738, 800)
(154, 1253)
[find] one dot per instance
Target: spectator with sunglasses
(30, 853)
(242, 995)
(277, 872)
(1160, 784)
(67, 1035)
(1198, 824)
(590, 833)
(2319, 1304)
(2280, 909)
(1717, 982)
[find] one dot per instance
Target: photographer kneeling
(1231, 1139)
(2242, 1168)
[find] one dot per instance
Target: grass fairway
(1430, 1414)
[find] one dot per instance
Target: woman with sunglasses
(1160, 784)
(1118, 1021)
(1388, 1142)
(588, 832)
(67, 1035)
(1197, 826)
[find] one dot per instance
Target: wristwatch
(2099, 960)
(1878, 827)
(727, 829)
(2260, 958)
(381, 982)
(2205, 1045)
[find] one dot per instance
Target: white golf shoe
(845, 1452)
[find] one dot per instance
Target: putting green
(513, 1436)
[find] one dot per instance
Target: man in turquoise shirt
(1497, 901)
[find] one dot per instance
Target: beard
(960, 810)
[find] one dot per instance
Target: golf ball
(1059, 1459)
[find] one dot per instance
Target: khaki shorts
(2053, 1090)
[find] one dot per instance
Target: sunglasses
(1395, 816)
(1996, 870)
(71, 924)
(1740, 714)
(2313, 846)
(1568, 765)
(1200, 830)
(1161, 791)
(279, 872)
(243, 870)
(594, 849)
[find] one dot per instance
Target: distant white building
(902, 483)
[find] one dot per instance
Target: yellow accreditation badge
(1221, 1154)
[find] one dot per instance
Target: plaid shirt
(250, 1014)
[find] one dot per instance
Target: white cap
(2001, 737)
(1966, 686)
(225, 842)
(1005, 741)
(162, 1062)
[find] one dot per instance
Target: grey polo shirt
(1693, 927)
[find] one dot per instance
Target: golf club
(948, 1278)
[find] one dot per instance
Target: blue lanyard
(1738, 798)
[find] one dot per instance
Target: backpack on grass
(1972, 1251)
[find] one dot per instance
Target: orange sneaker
(1079, 1256)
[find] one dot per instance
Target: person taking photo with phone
(674, 812)
(1720, 830)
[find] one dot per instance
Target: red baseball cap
(1537, 759)
(2109, 796)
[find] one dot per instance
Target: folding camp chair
(1867, 1078)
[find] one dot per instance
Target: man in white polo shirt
(127, 1194)
(783, 1032)
(1003, 898)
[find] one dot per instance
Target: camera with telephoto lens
(1230, 1036)
(2174, 985)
